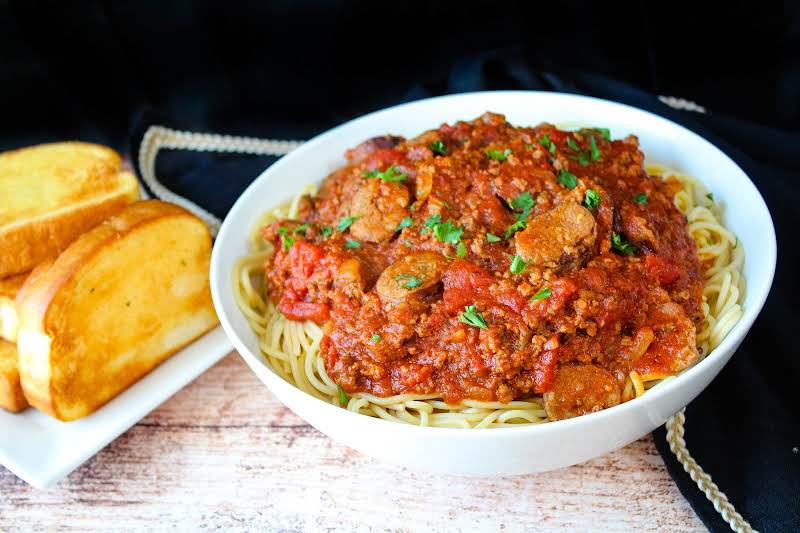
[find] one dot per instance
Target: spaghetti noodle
(292, 348)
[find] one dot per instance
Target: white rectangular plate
(42, 450)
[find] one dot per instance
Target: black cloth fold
(744, 429)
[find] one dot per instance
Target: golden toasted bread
(119, 301)
(52, 193)
(9, 287)
(11, 397)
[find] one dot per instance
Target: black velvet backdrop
(103, 71)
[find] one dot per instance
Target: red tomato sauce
(478, 260)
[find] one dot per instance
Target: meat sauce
(490, 262)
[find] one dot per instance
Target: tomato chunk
(464, 284)
(299, 310)
(661, 269)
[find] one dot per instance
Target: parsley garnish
(580, 158)
(406, 222)
(541, 294)
(447, 232)
(301, 229)
(326, 231)
(524, 202)
(499, 155)
(620, 244)
(572, 144)
(350, 243)
(431, 222)
(710, 196)
(567, 179)
(375, 338)
(517, 265)
(472, 317)
(595, 154)
(491, 237)
(529, 146)
(407, 243)
(438, 147)
(591, 199)
(547, 143)
(515, 227)
(461, 249)
(343, 398)
(346, 222)
(407, 281)
(286, 240)
(605, 132)
(640, 198)
(390, 174)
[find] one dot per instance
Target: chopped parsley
(406, 222)
(567, 179)
(301, 229)
(431, 222)
(547, 143)
(390, 174)
(541, 294)
(472, 317)
(515, 227)
(346, 222)
(350, 243)
(591, 199)
(529, 146)
(407, 281)
(447, 232)
(375, 338)
(491, 237)
(326, 231)
(407, 243)
(710, 196)
(286, 240)
(572, 144)
(343, 398)
(640, 198)
(517, 265)
(605, 132)
(524, 202)
(438, 147)
(580, 158)
(620, 244)
(595, 153)
(499, 155)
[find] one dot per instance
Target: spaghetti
(292, 348)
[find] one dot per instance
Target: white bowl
(523, 449)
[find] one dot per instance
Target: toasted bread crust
(9, 287)
(91, 187)
(11, 396)
(52, 379)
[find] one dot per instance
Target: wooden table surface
(224, 454)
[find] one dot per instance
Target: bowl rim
(221, 281)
